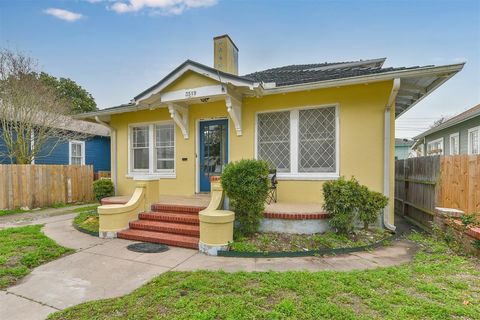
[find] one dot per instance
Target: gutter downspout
(113, 142)
(386, 150)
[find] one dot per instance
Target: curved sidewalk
(105, 268)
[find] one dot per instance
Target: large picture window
(300, 143)
(152, 149)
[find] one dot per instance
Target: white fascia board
(188, 67)
(193, 93)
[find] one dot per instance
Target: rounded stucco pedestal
(216, 230)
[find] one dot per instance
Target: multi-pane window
(77, 152)
(316, 140)
(164, 146)
(474, 140)
(299, 142)
(454, 144)
(152, 148)
(435, 147)
(274, 139)
(140, 147)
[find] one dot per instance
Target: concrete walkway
(105, 268)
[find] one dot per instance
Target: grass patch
(22, 249)
(87, 219)
(438, 284)
(12, 211)
(282, 242)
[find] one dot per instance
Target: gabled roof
(304, 73)
(464, 116)
(415, 82)
(190, 65)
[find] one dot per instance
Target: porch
(174, 219)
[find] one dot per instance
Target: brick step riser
(183, 220)
(176, 209)
(159, 240)
(187, 232)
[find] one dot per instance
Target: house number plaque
(190, 93)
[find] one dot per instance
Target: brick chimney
(225, 56)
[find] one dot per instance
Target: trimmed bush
(246, 183)
(347, 200)
(103, 188)
(341, 202)
(370, 206)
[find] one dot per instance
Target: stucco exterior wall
(361, 119)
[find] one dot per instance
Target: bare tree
(33, 117)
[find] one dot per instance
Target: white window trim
(454, 135)
(82, 143)
(151, 173)
(468, 139)
(435, 141)
(295, 175)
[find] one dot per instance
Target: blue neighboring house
(92, 150)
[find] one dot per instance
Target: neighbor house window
(300, 143)
(454, 144)
(76, 152)
(435, 147)
(152, 148)
(474, 140)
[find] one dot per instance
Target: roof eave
(445, 125)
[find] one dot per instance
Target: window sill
(320, 177)
(151, 176)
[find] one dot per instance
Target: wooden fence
(421, 184)
(36, 186)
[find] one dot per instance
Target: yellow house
(312, 122)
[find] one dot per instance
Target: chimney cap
(226, 36)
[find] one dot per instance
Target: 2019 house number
(190, 93)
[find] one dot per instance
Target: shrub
(346, 200)
(103, 188)
(246, 184)
(370, 205)
(341, 202)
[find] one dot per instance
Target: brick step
(168, 227)
(160, 207)
(170, 217)
(160, 237)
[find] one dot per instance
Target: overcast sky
(115, 49)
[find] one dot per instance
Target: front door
(213, 150)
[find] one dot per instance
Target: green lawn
(438, 284)
(22, 249)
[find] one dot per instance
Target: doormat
(145, 247)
